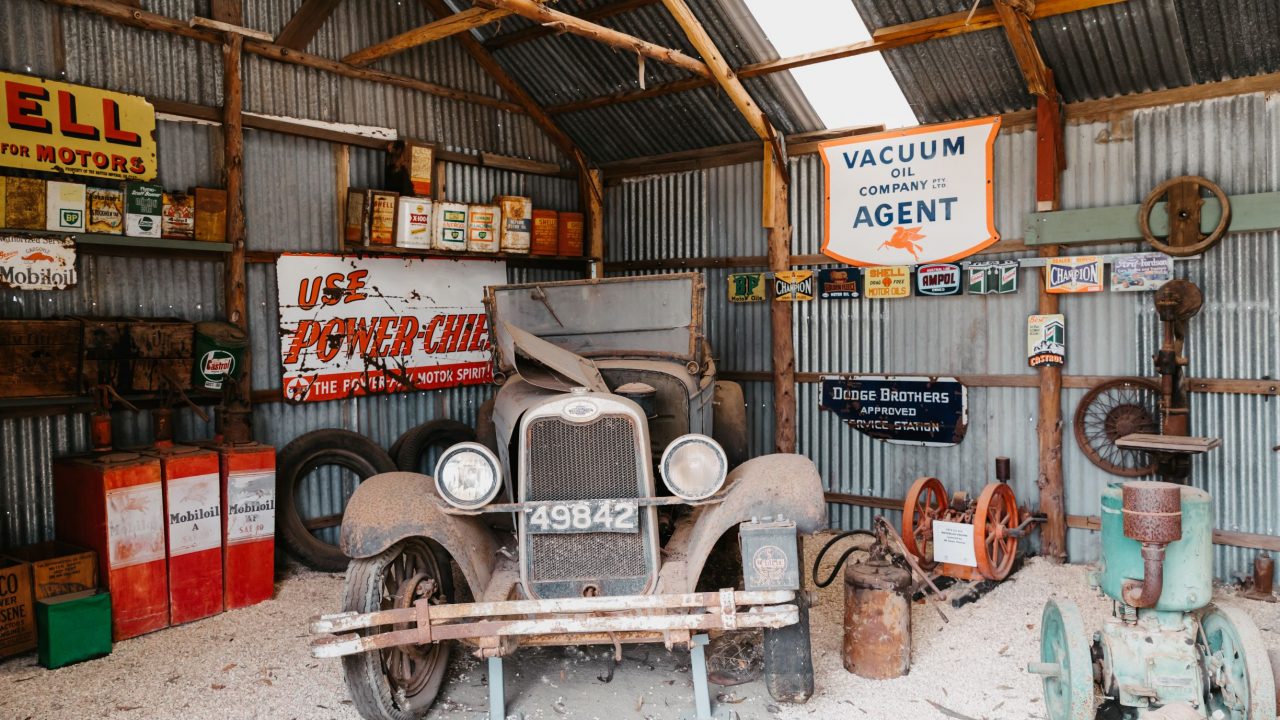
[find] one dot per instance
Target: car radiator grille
(584, 461)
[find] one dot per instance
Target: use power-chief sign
(59, 127)
(359, 326)
(913, 196)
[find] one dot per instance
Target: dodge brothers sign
(359, 326)
(913, 196)
(903, 410)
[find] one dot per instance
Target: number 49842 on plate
(583, 516)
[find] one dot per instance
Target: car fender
(390, 507)
(769, 486)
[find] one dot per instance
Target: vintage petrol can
(64, 206)
(482, 224)
(569, 238)
(178, 216)
(356, 218)
(517, 216)
(413, 223)
(24, 203)
(106, 210)
(113, 503)
(382, 217)
(248, 474)
(449, 226)
(17, 616)
(219, 354)
(211, 214)
(546, 231)
(143, 206)
(877, 620)
(193, 529)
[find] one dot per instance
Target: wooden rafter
(305, 23)
(888, 38)
(1015, 16)
(536, 31)
(442, 28)
(557, 20)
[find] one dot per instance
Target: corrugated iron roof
(1118, 49)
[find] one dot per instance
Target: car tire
(788, 658)
(298, 459)
(375, 695)
(432, 434)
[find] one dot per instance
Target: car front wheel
(398, 683)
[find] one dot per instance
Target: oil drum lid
(877, 575)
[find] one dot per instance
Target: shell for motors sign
(913, 196)
(353, 326)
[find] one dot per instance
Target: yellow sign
(793, 285)
(59, 127)
(893, 281)
(746, 287)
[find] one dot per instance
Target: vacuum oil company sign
(911, 196)
(901, 410)
(59, 127)
(360, 326)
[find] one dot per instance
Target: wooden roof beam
(559, 21)
(536, 31)
(887, 38)
(445, 27)
(305, 23)
(1015, 16)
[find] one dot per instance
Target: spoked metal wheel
(997, 514)
(1241, 683)
(1109, 412)
(397, 683)
(926, 501)
(1065, 663)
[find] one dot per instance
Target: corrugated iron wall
(290, 205)
(715, 213)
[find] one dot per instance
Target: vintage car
(555, 521)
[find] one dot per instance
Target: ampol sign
(914, 196)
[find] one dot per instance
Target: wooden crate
(39, 358)
(135, 354)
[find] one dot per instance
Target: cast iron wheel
(398, 683)
(1109, 412)
(926, 502)
(1065, 663)
(788, 657)
(348, 452)
(1241, 683)
(996, 514)
(431, 435)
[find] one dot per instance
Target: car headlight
(468, 476)
(694, 467)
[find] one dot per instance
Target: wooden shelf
(511, 258)
(93, 243)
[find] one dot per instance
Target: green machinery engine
(1166, 652)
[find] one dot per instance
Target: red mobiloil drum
(193, 538)
(113, 503)
(248, 472)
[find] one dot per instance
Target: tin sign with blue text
(908, 197)
(929, 411)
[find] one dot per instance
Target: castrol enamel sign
(908, 197)
(353, 326)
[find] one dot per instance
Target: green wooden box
(74, 627)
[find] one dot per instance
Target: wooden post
(236, 419)
(593, 201)
(784, 356)
(1049, 162)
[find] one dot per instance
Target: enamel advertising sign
(793, 285)
(746, 287)
(1144, 271)
(1073, 274)
(354, 326)
(913, 196)
(887, 282)
(1046, 341)
(931, 411)
(59, 127)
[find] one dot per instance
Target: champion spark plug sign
(909, 197)
(354, 326)
(59, 127)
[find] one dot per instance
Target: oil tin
(356, 216)
(569, 239)
(449, 226)
(410, 165)
(413, 223)
(143, 205)
(382, 217)
(546, 232)
(248, 473)
(17, 615)
(106, 210)
(24, 204)
(877, 620)
(517, 217)
(211, 215)
(73, 628)
(193, 529)
(219, 354)
(64, 206)
(113, 503)
(178, 217)
(482, 223)
(770, 558)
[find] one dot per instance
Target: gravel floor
(253, 663)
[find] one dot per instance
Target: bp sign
(902, 410)
(909, 197)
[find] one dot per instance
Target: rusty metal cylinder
(877, 620)
(1152, 512)
(100, 431)
(1264, 571)
(1003, 473)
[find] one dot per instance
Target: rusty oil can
(877, 620)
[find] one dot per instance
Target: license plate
(620, 516)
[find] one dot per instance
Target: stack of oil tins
(406, 216)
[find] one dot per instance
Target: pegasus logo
(905, 238)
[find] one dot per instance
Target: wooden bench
(1175, 444)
